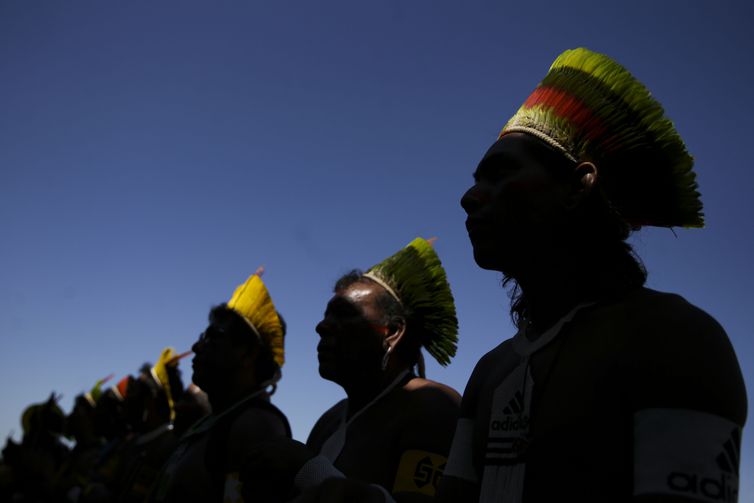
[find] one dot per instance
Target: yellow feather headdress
(253, 302)
(168, 358)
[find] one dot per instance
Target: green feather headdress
(416, 278)
(590, 108)
(93, 395)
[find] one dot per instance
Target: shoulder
(491, 360)
(681, 356)
(650, 323)
(487, 369)
(640, 308)
(423, 400)
(264, 420)
(426, 414)
(326, 424)
(662, 323)
(254, 425)
(645, 307)
(333, 415)
(431, 392)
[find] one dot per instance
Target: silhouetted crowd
(608, 392)
(120, 437)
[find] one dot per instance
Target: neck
(222, 400)
(552, 285)
(547, 298)
(361, 393)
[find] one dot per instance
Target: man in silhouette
(609, 391)
(236, 359)
(394, 429)
(30, 468)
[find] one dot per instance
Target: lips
(196, 363)
(323, 351)
(475, 226)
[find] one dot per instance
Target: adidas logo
(510, 423)
(724, 488)
(515, 420)
(516, 405)
(727, 460)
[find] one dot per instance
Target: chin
(196, 378)
(504, 258)
(484, 262)
(487, 258)
(327, 372)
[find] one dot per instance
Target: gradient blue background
(153, 154)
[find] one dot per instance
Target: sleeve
(461, 458)
(689, 407)
(460, 462)
(232, 489)
(425, 439)
(688, 453)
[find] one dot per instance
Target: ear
(585, 177)
(249, 357)
(396, 329)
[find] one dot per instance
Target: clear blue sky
(153, 154)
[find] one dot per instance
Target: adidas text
(511, 423)
(718, 490)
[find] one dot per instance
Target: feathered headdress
(590, 108)
(252, 301)
(168, 358)
(93, 395)
(120, 390)
(415, 277)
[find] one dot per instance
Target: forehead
(525, 150)
(228, 326)
(520, 147)
(225, 319)
(223, 322)
(359, 298)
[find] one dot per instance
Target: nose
(321, 328)
(198, 345)
(471, 200)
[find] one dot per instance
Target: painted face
(515, 203)
(351, 336)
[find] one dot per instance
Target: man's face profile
(350, 344)
(514, 202)
(216, 355)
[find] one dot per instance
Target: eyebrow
(492, 161)
(340, 305)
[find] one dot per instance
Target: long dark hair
(594, 230)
